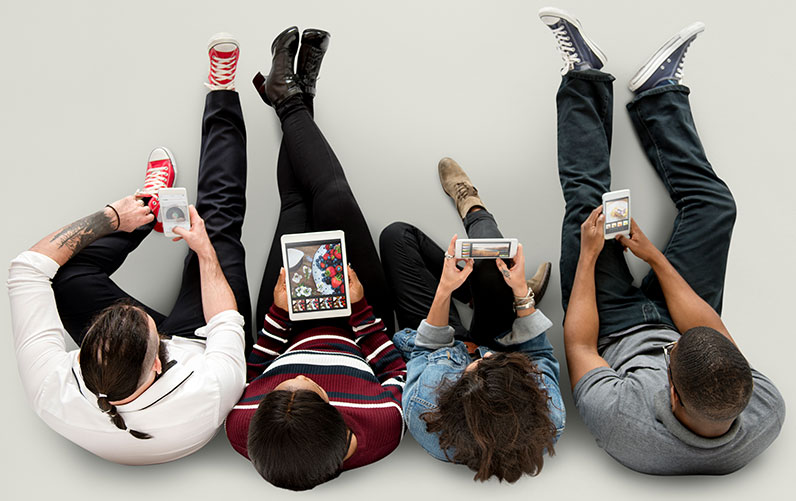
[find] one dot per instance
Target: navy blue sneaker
(578, 52)
(665, 67)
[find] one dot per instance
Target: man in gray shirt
(656, 376)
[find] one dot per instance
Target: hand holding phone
(174, 210)
(616, 208)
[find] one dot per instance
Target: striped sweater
(358, 367)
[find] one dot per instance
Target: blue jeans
(700, 238)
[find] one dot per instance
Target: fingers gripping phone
(174, 210)
(616, 208)
(486, 248)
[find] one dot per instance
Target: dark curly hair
(297, 440)
(495, 418)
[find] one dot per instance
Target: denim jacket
(433, 356)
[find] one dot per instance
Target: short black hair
(711, 375)
(297, 440)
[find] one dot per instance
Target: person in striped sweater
(328, 392)
(323, 396)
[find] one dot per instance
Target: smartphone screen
(174, 210)
(486, 250)
(617, 215)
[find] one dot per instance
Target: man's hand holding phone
(196, 238)
(639, 244)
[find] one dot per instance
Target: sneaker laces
(156, 178)
(678, 73)
(565, 47)
(222, 69)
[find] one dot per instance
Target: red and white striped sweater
(358, 367)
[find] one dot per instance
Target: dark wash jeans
(83, 286)
(700, 238)
(413, 264)
(315, 196)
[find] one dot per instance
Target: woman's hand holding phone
(515, 276)
(452, 277)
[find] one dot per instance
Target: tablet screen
(316, 276)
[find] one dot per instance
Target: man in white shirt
(144, 387)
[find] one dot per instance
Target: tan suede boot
(458, 186)
(538, 282)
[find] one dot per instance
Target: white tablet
(316, 275)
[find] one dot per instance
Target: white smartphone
(616, 207)
(316, 275)
(486, 248)
(174, 210)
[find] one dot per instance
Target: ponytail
(110, 409)
(116, 356)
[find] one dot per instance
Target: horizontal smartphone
(486, 248)
(174, 210)
(316, 275)
(616, 207)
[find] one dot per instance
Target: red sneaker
(161, 171)
(223, 51)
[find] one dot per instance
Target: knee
(394, 233)
(723, 208)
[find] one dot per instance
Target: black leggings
(413, 264)
(315, 196)
(83, 286)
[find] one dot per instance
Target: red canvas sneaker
(223, 51)
(161, 172)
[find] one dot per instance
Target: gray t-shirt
(627, 409)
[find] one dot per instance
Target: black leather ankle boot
(314, 43)
(281, 83)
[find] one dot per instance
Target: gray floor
(91, 87)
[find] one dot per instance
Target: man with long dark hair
(144, 387)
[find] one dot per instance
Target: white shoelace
(678, 73)
(222, 71)
(155, 179)
(566, 49)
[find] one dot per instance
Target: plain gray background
(89, 88)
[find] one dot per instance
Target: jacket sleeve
(272, 341)
(382, 355)
(35, 324)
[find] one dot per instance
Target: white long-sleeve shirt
(182, 410)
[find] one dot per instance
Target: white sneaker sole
(566, 16)
(666, 50)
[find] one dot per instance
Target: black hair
(115, 358)
(711, 375)
(297, 440)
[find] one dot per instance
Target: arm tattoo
(82, 232)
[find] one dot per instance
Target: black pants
(315, 196)
(413, 264)
(700, 239)
(83, 286)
